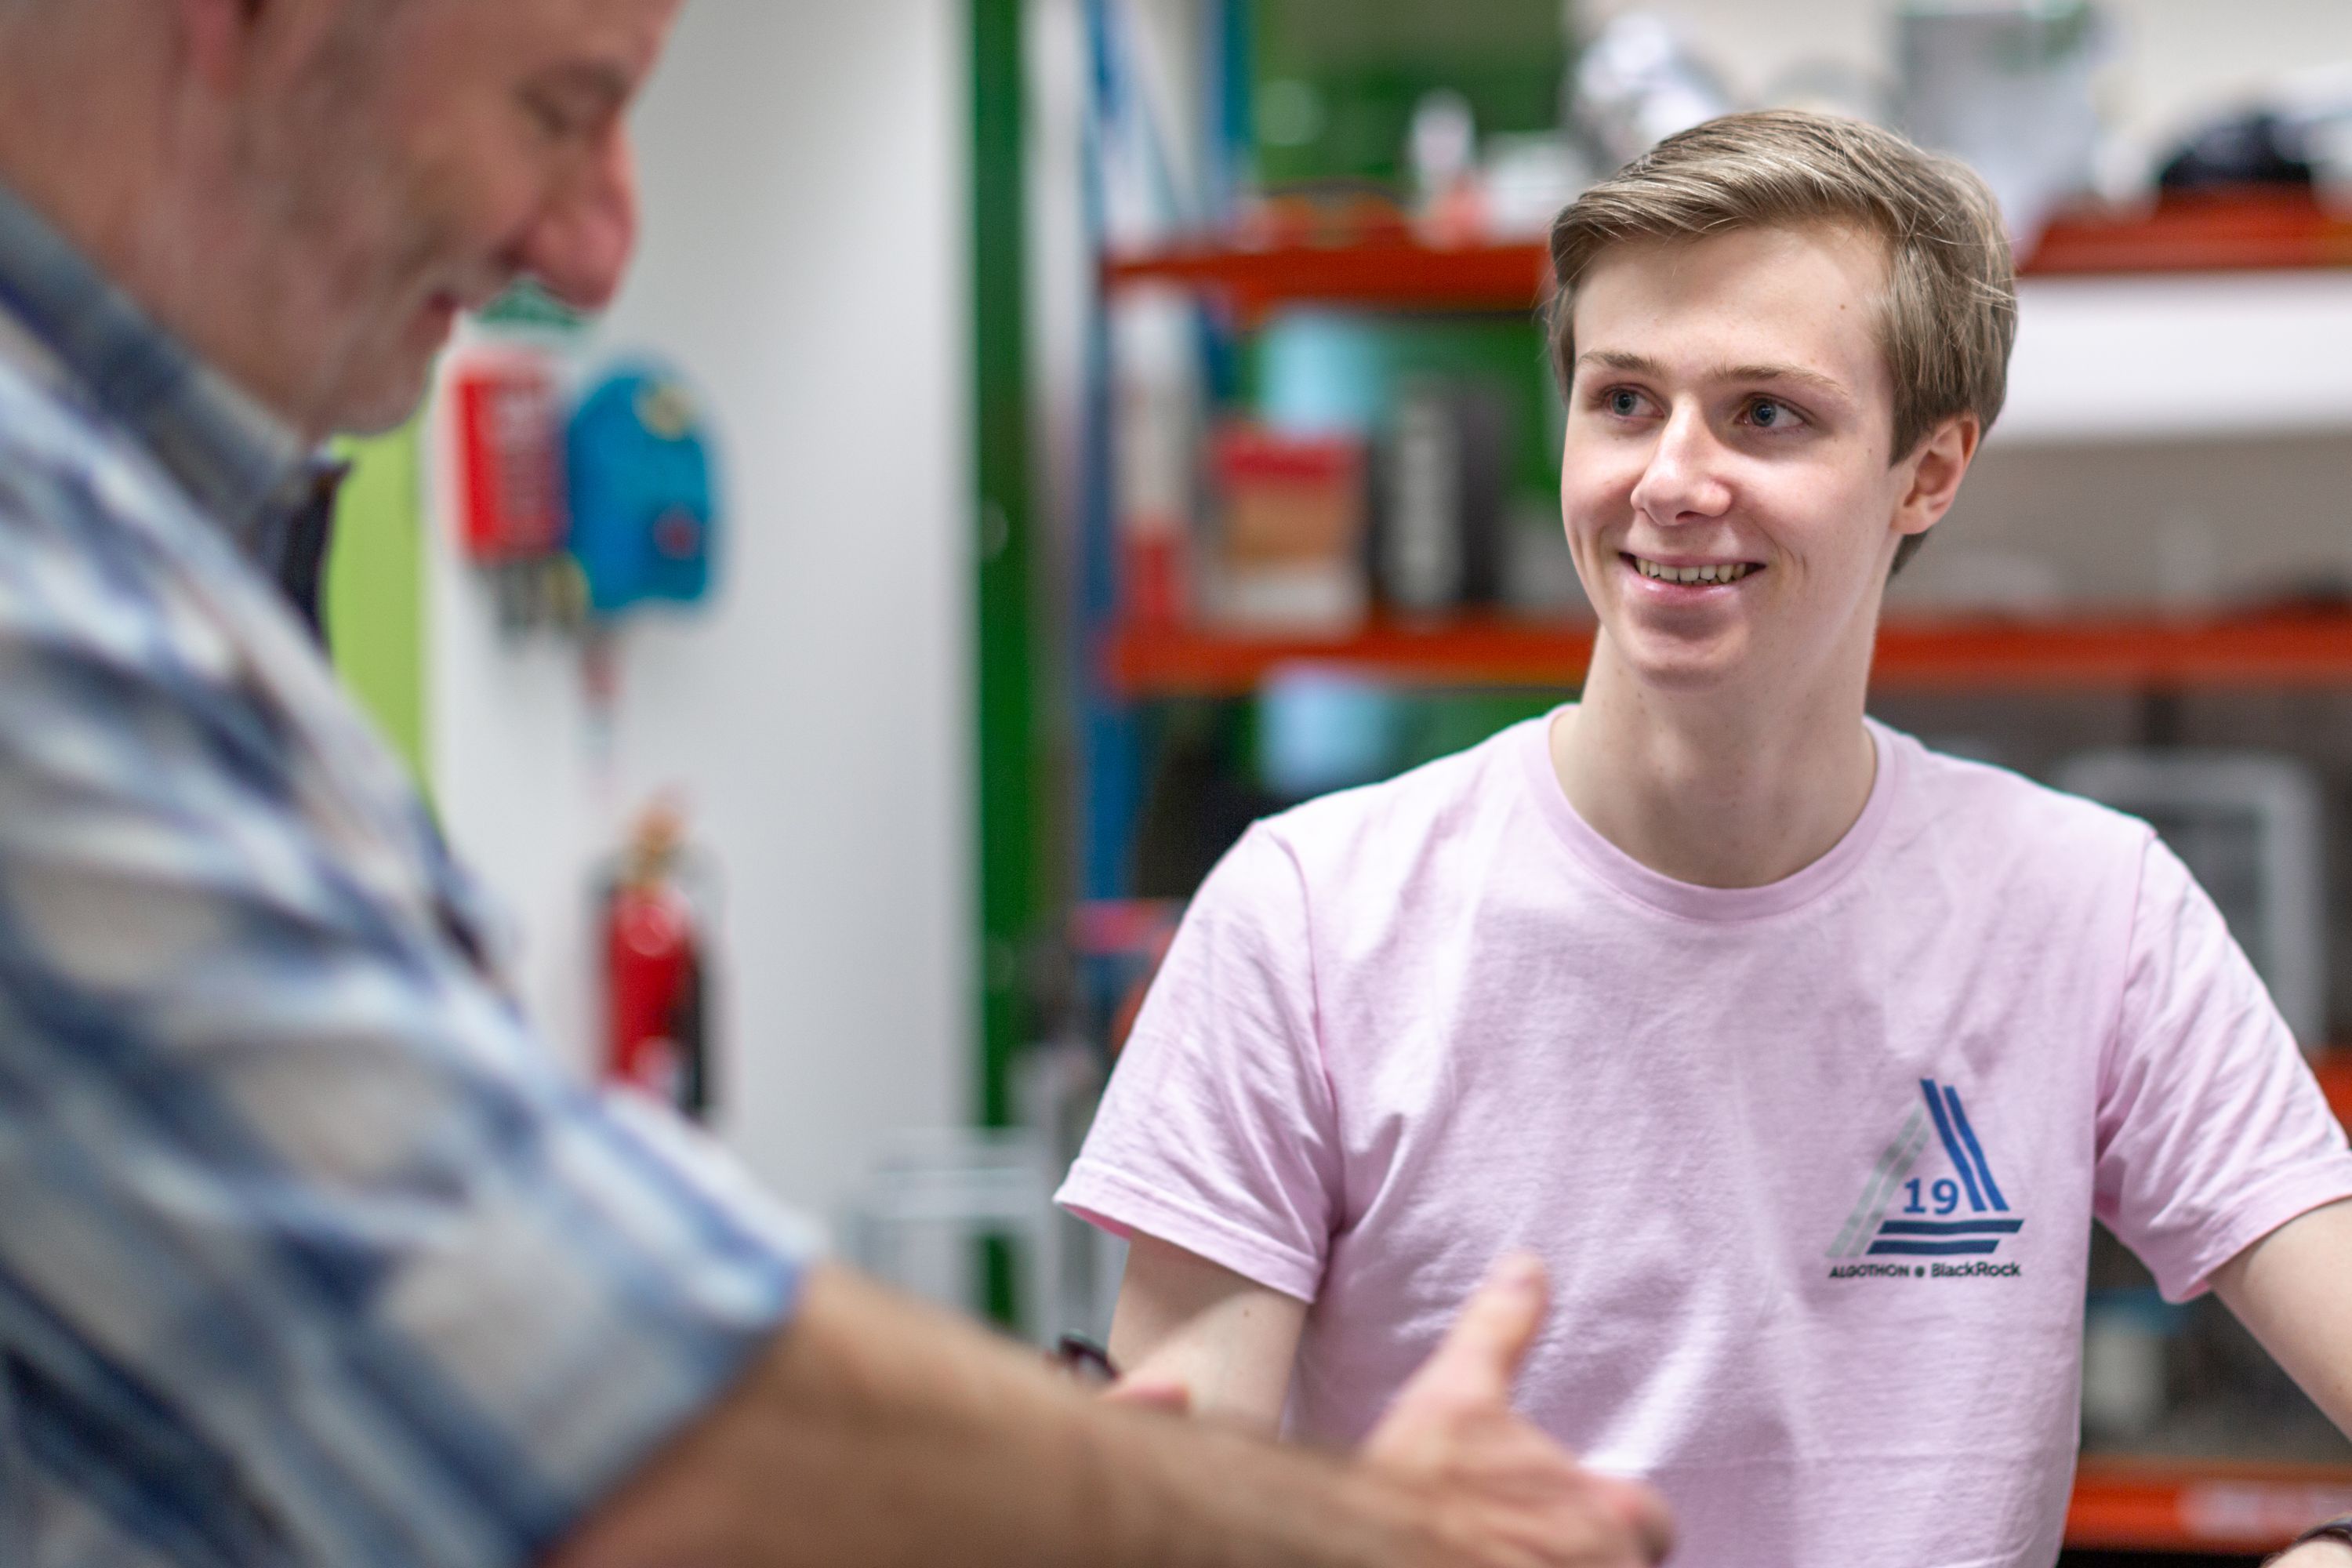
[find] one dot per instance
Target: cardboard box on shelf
(1288, 552)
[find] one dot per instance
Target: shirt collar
(237, 461)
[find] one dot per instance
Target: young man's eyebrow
(1642, 365)
(1801, 376)
(1617, 359)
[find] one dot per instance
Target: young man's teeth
(1731, 572)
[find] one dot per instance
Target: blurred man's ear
(230, 42)
(218, 37)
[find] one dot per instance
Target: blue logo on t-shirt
(1930, 1222)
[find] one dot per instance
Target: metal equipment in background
(2247, 827)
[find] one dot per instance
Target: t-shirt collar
(1629, 878)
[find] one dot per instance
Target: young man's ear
(1937, 468)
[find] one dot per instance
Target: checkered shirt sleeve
(308, 1254)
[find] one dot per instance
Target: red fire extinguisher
(656, 1019)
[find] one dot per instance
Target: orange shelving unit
(2118, 652)
(1389, 270)
(2206, 1506)
(2334, 1073)
(1483, 650)
(1384, 267)
(2254, 230)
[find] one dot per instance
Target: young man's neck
(1716, 791)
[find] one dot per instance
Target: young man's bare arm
(1226, 1341)
(880, 1434)
(2290, 1290)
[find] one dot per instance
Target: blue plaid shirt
(309, 1252)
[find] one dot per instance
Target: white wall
(805, 259)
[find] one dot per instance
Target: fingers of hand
(1645, 1516)
(1480, 1357)
(2317, 1555)
(1453, 1427)
(1596, 1522)
(1165, 1395)
(1587, 1521)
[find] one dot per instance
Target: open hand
(1501, 1492)
(1164, 1394)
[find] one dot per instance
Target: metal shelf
(2131, 1505)
(1387, 268)
(1392, 271)
(2119, 652)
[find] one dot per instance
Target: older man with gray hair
(309, 1252)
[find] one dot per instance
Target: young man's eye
(1771, 414)
(1622, 401)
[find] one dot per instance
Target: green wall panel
(375, 591)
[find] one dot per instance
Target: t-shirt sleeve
(1217, 1131)
(2212, 1131)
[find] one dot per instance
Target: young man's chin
(1675, 629)
(1683, 666)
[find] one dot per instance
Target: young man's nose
(1682, 477)
(579, 246)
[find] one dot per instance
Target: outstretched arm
(880, 1433)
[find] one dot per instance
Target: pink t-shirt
(1813, 1164)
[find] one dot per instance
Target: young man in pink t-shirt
(1802, 1056)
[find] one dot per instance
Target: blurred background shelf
(1385, 266)
(2208, 1506)
(1392, 271)
(2125, 653)
(2333, 1070)
(2206, 314)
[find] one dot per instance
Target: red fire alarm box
(509, 450)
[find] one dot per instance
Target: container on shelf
(2248, 827)
(1437, 531)
(1290, 525)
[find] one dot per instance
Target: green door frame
(1011, 879)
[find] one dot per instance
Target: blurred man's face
(425, 154)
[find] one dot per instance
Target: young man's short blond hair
(1949, 314)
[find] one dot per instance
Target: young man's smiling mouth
(1707, 573)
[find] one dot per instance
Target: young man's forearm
(878, 1434)
(2289, 1289)
(1228, 1342)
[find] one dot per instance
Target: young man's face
(1730, 419)
(419, 158)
